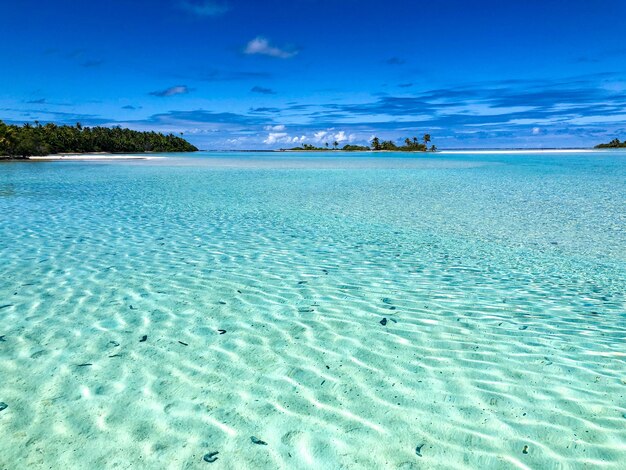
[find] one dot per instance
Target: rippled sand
(472, 308)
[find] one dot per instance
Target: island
(17, 142)
(410, 145)
(614, 144)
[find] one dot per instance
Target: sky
(244, 74)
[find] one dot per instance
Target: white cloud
(536, 130)
(276, 138)
(172, 91)
(262, 46)
(277, 128)
(319, 135)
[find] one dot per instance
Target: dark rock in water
(5, 306)
(210, 457)
(418, 450)
(131, 307)
(393, 320)
(258, 441)
(301, 282)
(143, 338)
(86, 364)
(393, 307)
(221, 332)
(239, 292)
(523, 327)
(222, 302)
(387, 301)
(2, 340)
(383, 321)
(3, 406)
(525, 450)
(114, 343)
(184, 344)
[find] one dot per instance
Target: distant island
(410, 145)
(614, 144)
(51, 139)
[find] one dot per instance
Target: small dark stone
(221, 332)
(3, 406)
(114, 343)
(184, 344)
(387, 301)
(323, 382)
(301, 282)
(393, 320)
(116, 355)
(143, 338)
(418, 450)
(239, 292)
(132, 308)
(5, 306)
(525, 450)
(2, 340)
(258, 441)
(222, 303)
(210, 457)
(383, 321)
(86, 364)
(523, 327)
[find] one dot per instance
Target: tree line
(38, 139)
(614, 144)
(410, 145)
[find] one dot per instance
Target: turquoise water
(502, 280)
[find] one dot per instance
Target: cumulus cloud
(204, 8)
(277, 128)
(332, 136)
(171, 91)
(276, 137)
(262, 46)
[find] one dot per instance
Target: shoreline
(79, 157)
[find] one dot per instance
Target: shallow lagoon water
(502, 279)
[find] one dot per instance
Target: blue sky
(245, 74)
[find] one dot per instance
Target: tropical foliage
(410, 145)
(37, 139)
(614, 144)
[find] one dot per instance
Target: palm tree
(326, 144)
(375, 143)
(415, 141)
(426, 139)
(335, 143)
(407, 142)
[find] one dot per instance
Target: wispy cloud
(91, 63)
(204, 8)
(262, 46)
(262, 90)
(171, 91)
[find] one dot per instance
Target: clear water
(502, 279)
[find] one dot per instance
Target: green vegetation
(614, 144)
(28, 140)
(410, 145)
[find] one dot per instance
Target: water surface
(469, 305)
